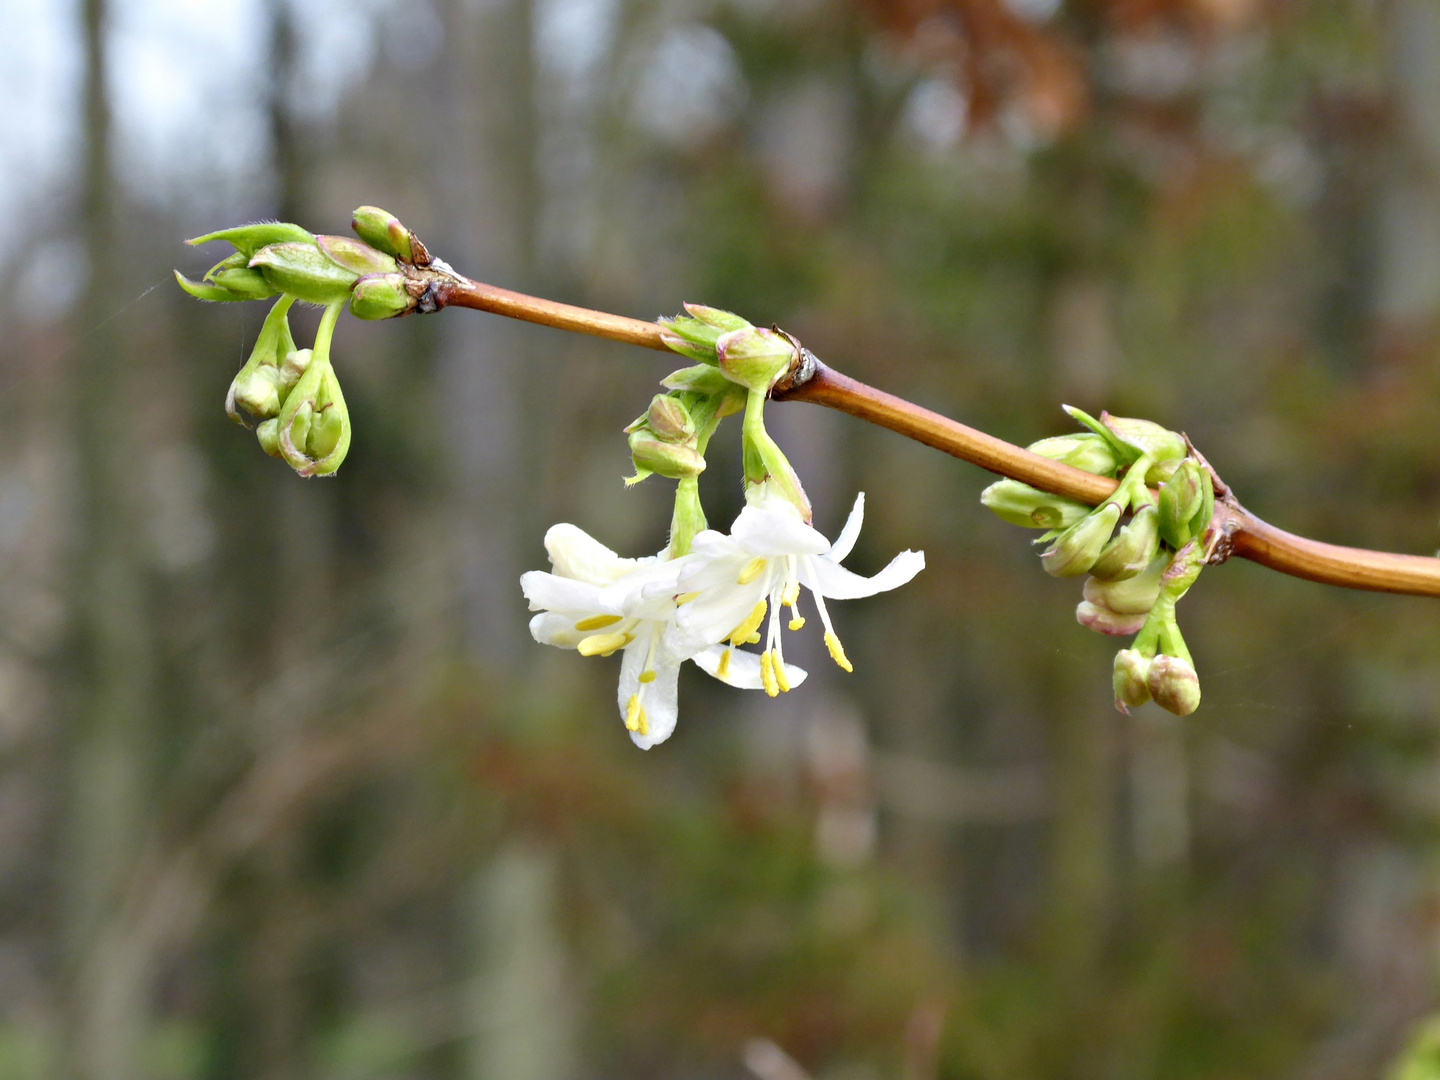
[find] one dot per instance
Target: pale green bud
(381, 296)
(248, 239)
(655, 455)
(292, 367)
(356, 256)
(724, 321)
(258, 391)
(1083, 450)
(382, 230)
(308, 423)
(1147, 437)
(1104, 621)
(700, 379)
(1130, 596)
(1174, 685)
(1181, 498)
(305, 272)
(1131, 680)
(754, 357)
(268, 432)
(1076, 549)
(669, 420)
(326, 427)
(1132, 549)
(1030, 508)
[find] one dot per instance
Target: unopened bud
(246, 283)
(325, 430)
(314, 424)
(754, 357)
(1132, 549)
(1180, 502)
(669, 459)
(1030, 508)
(1160, 443)
(1083, 450)
(700, 379)
(669, 419)
(356, 255)
(305, 272)
(248, 239)
(1076, 549)
(1104, 621)
(1130, 680)
(293, 366)
(380, 296)
(382, 230)
(724, 321)
(1129, 596)
(1174, 685)
(268, 432)
(258, 391)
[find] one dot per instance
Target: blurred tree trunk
(112, 654)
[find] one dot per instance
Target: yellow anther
(767, 675)
(837, 651)
(643, 725)
(633, 713)
(752, 570)
(647, 676)
(796, 623)
(791, 594)
(604, 644)
(685, 598)
(778, 666)
(596, 622)
(741, 634)
(723, 668)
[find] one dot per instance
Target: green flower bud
(1030, 508)
(652, 454)
(314, 424)
(292, 367)
(258, 391)
(305, 272)
(1174, 685)
(248, 239)
(1083, 450)
(356, 256)
(1147, 437)
(1131, 680)
(1181, 498)
(1076, 549)
(1104, 621)
(1130, 596)
(669, 420)
(244, 283)
(381, 296)
(723, 321)
(756, 358)
(383, 231)
(700, 379)
(1132, 549)
(326, 428)
(268, 432)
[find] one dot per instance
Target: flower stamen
(596, 622)
(741, 634)
(604, 644)
(752, 570)
(767, 674)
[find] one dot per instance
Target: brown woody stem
(1245, 534)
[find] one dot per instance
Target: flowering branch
(1245, 535)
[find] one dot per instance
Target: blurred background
(287, 790)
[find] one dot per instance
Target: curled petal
(834, 582)
(550, 592)
(845, 542)
(574, 553)
(775, 528)
(743, 671)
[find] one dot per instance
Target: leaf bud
(1104, 621)
(1083, 450)
(754, 357)
(1030, 508)
(652, 454)
(356, 256)
(1148, 437)
(669, 420)
(381, 296)
(248, 239)
(724, 321)
(1129, 596)
(244, 283)
(383, 231)
(700, 379)
(1132, 548)
(1076, 549)
(1181, 498)
(1131, 680)
(1174, 685)
(305, 272)
(268, 432)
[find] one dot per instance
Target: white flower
(727, 583)
(599, 603)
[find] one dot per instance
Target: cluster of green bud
(1139, 566)
(665, 441)
(294, 393)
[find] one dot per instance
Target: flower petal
(576, 554)
(834, 582)
(845, 542)
(553, 593)
(775, 528)
(743, 671)
(711, 616)
(552, 628)
(659, 698)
